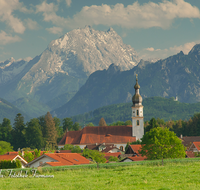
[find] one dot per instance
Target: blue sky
(154, 28)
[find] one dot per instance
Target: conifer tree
(34, 134)
(102, 122)
(18, 132)
(51, 138)
(5, 130)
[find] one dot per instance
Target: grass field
(141, 175)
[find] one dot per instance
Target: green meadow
(175, 174)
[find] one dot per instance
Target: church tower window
(138, 122)
(137, 112)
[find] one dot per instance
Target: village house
(195, 147)
(13, 156)
(58, 159)
(117, 135)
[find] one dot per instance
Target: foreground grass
(180, 175)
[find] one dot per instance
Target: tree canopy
(102, 122)
(95, 155)
(5, 147)
(74, 149)
(161, 143)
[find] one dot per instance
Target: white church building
(117, 135)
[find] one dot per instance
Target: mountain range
(177, 75)
(65, 65)
(86, 69)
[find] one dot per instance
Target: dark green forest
(157, 107)
(45, 132)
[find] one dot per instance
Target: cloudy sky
(154, 28)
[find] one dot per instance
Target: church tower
(137, 113)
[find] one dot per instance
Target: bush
(7, 164)
(112, 159)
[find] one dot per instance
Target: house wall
(43, 159)
(127, 160)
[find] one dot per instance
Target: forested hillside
(177, 75)
(157, 107)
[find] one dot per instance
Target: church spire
(137, 99)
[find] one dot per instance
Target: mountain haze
(177, 75)
(65, 65)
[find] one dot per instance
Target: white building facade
(137, 113)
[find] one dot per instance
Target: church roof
(100, 134)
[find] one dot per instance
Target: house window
(138, 122)
(121, 148)
(137, 112)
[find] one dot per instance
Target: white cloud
(55, 30)
(133, 16)
(6, 39)
(6, 14)
(68, 2)
(149, 53)
(150, 49)
(31, 24)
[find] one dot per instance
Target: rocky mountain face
(177, 75)
(65, 65)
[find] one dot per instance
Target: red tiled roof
(100, 134)
(197, 145)
(136, 147)
(187, 141)
(13, 153)
(7, 157)
(107, 155)
(67, 159)
(138, 158)
(190, 154)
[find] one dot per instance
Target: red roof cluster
(100, 134)
(62, 159)
(138, 158)
(115, 154)
(8, 157)
(197, 145)
(136, 148)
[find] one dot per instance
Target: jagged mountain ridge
(65, 65)
(176, 75)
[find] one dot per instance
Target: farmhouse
(58, 159)
(195, 147)
(117, 135)
(13, 156)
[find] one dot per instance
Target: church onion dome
(137, 86)
(137, 99)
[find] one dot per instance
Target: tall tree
(161, 143)
(34, 137)
(5, 130)
(67, 124)
(152, 124)
(18, 132)
(102, 122)
(51, 139)
(43, 126)
(58, 126)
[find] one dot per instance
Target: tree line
(189, 127)
(38, 133)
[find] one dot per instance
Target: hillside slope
(177, 75)
(157, 107)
